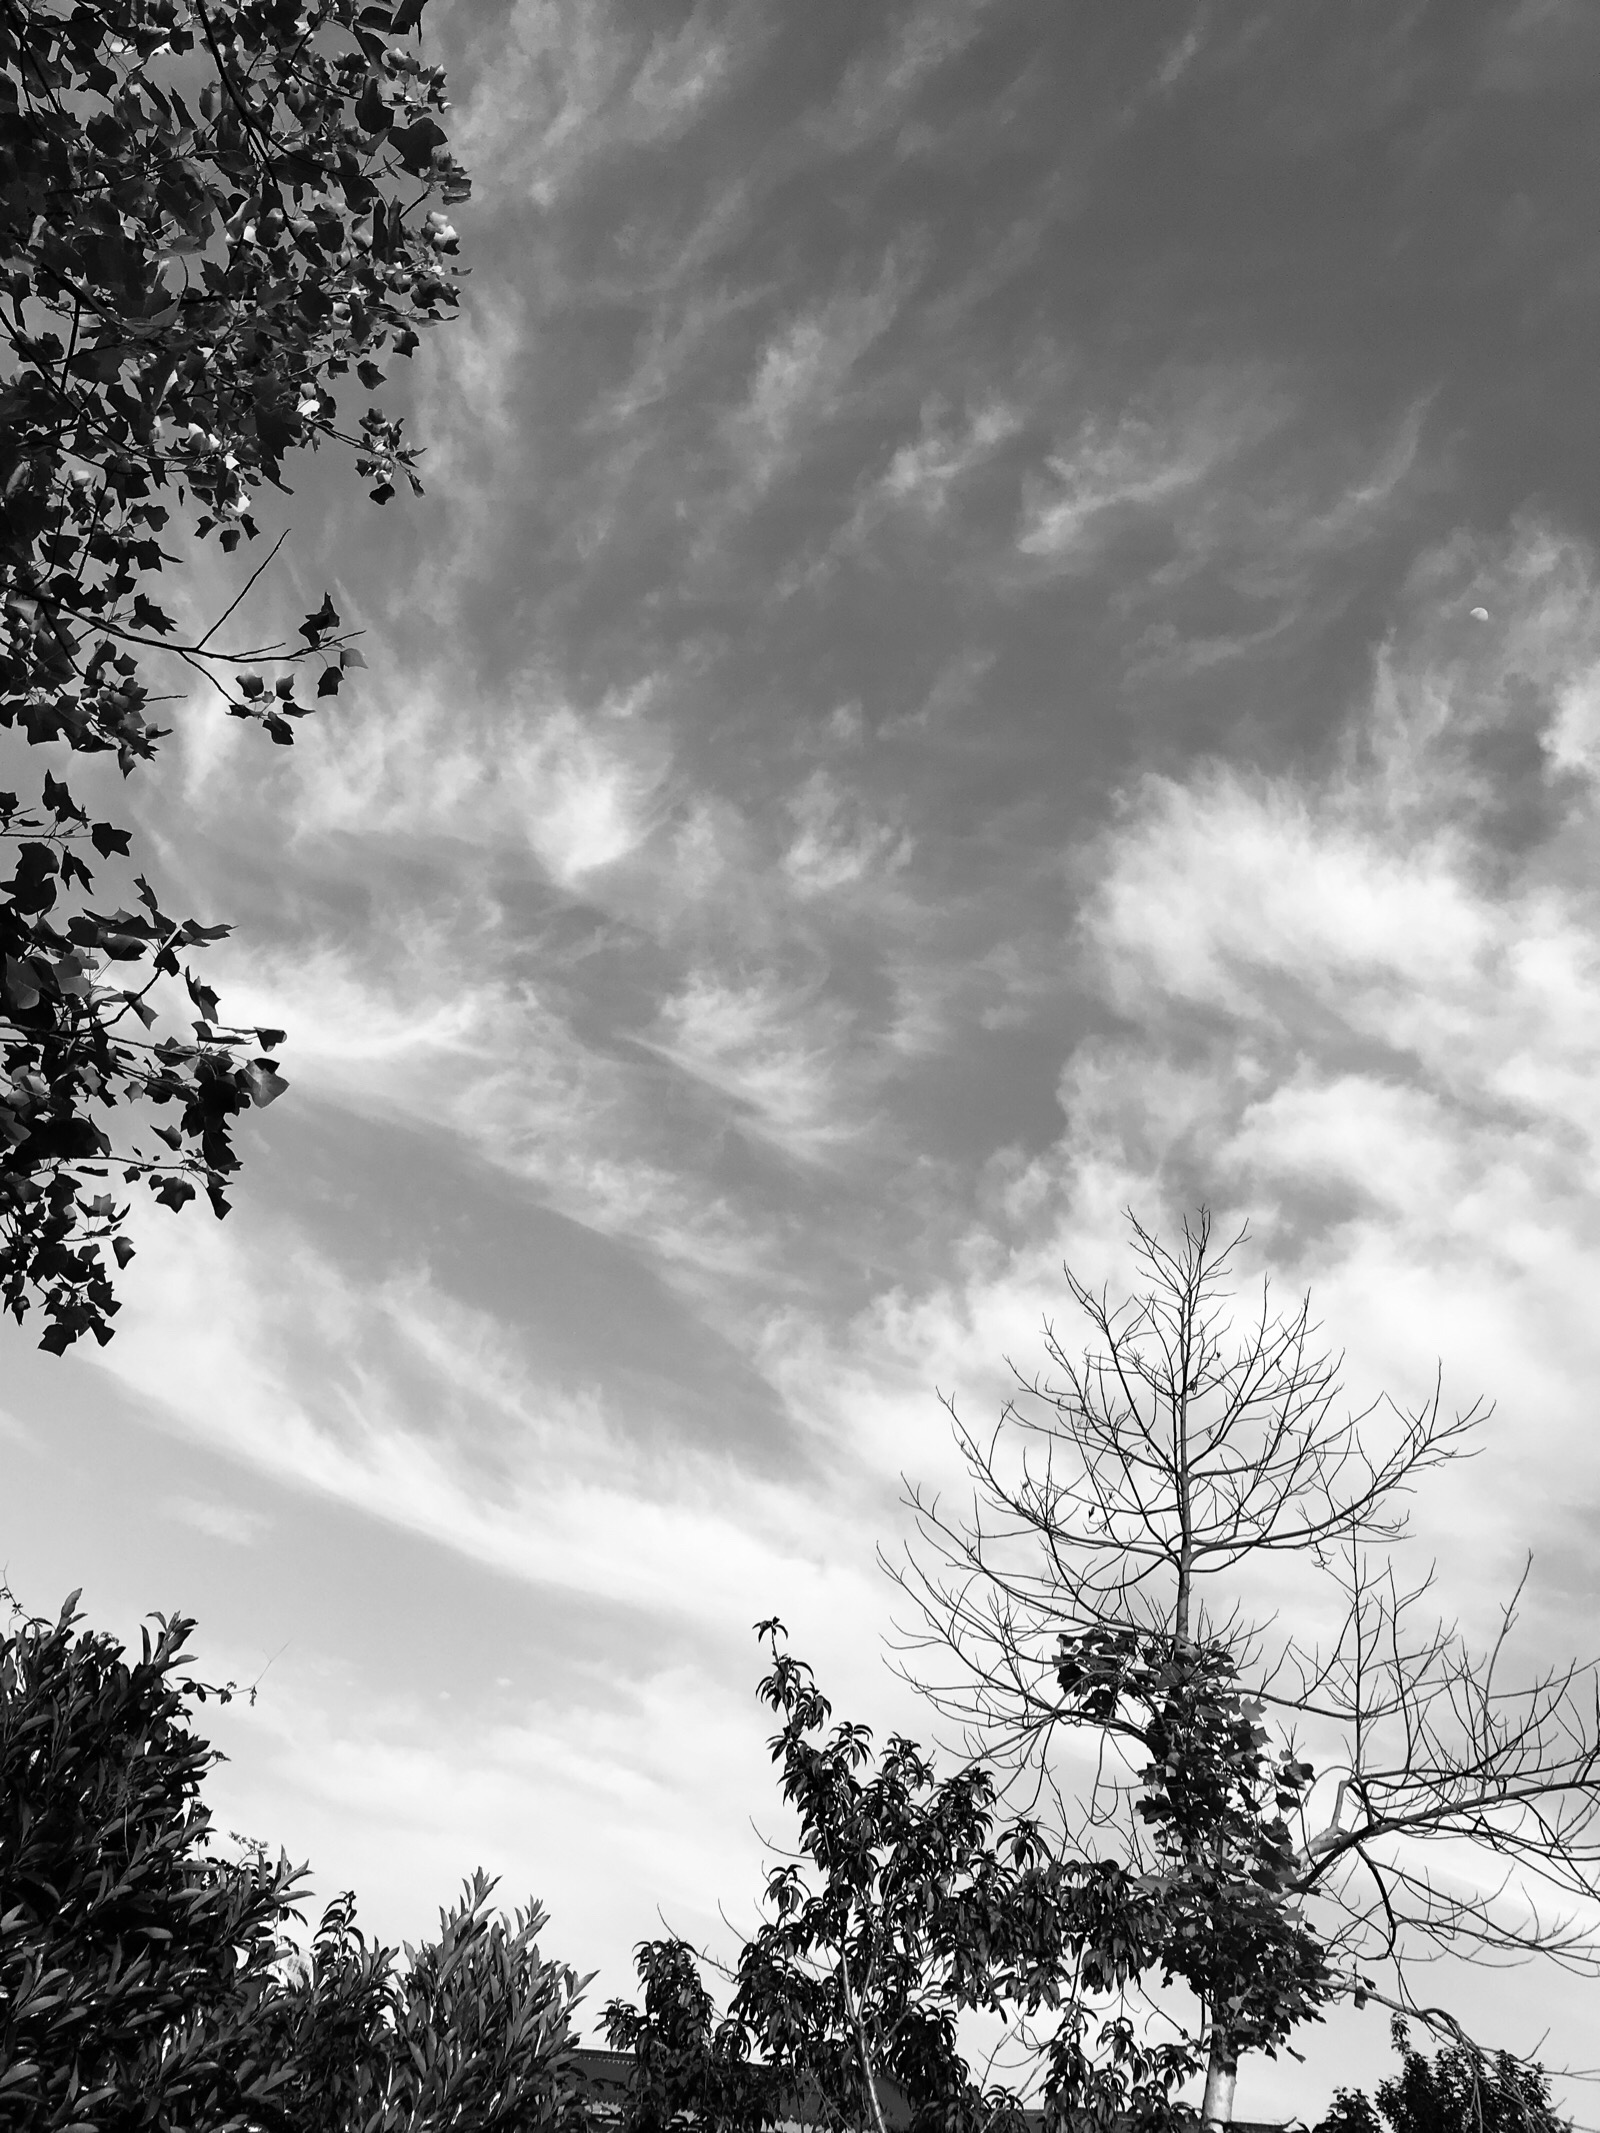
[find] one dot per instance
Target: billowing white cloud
(1345, 1009)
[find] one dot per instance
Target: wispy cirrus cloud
(235, 1523)
(839, 843)
(1536, 45)
(773, 1050)
(422, 755)
(934, 692)
(1068, 509)
(1199, 466)
(880, 85)
(570, 85)
(422, 1411)
(922, 475)
(801, 378)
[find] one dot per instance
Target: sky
(1003, 628)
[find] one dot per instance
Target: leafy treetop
(1459, 2090)
(902, 1909)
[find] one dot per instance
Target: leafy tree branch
(217, 218)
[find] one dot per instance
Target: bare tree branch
(1126, 1507)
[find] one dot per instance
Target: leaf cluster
(690, 2070)
(213, 214)
(1216, 1800)
(1459, 2090)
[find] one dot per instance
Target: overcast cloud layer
(936, 692)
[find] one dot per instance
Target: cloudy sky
(934, 694)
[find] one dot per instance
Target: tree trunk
(852, 2010)
(1221, 2076)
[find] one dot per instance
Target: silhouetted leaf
(264, 1084)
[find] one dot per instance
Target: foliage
(1121, 1515)
(212, 213)
(1350, 2112)
(690, 2069)
(1459, 2090)
(131, 1961)
(896, 1915)
(1129, 2086)
(1216, 1800)
(899, 1913)
(147, 1980)
(473, 2032)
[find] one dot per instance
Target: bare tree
(1116, 1572)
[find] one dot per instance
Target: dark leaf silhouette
(147, 1978)
(211, 212)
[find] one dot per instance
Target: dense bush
(147, 1980)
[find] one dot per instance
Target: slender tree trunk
(867, 2075)
(853, 2016)
(1222, 2075)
